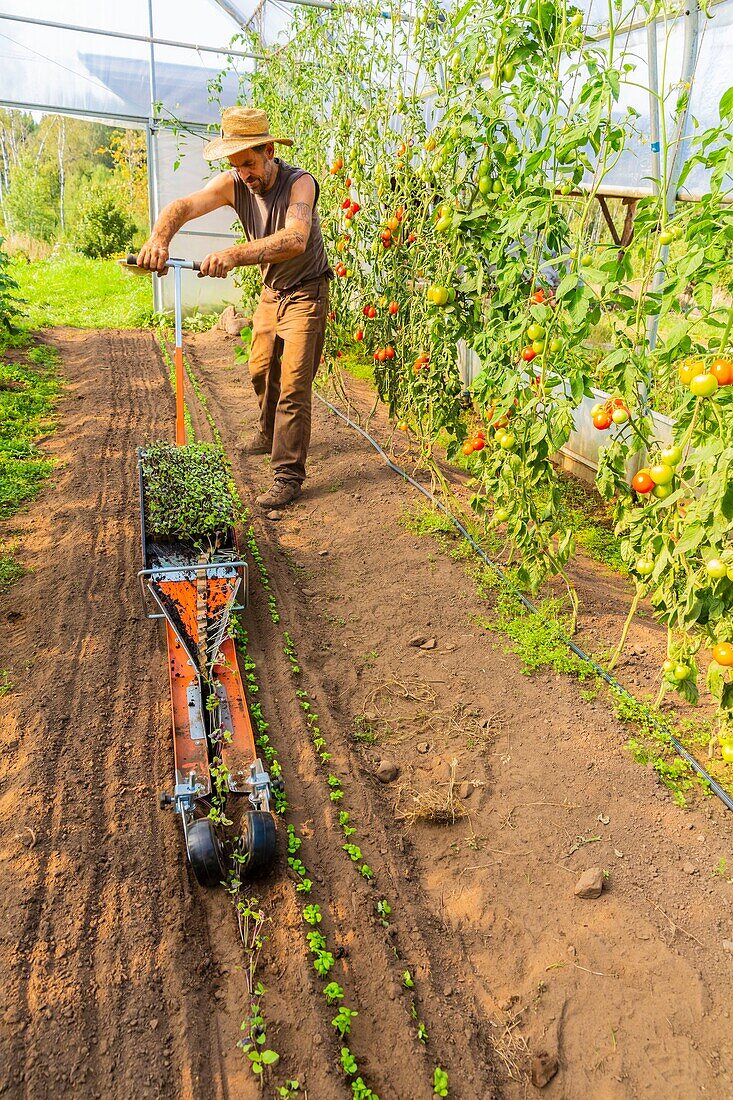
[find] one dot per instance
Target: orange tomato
(723, 653)
(722, 369)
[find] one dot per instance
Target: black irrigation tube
(696, 766)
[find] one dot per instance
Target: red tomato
(642, 482)
(349, 214)
(381, 355)
(399, 213)
(371, 312)
(359, 334)
(528, 353)
(389, 352)
(722, 369)
(355, 208)
(468, 448)
(538, 296)
(411, 238)
(393, 307)
(602, 420)
(346, 204)
(386, 234)
(479, 443)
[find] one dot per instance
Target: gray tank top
(262, 215)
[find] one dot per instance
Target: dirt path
(109, 958)
(121, 977)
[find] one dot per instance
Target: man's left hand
(217, 265)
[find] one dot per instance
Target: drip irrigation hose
(613, 683)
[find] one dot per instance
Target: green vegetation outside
(72, 290)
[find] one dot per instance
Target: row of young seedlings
(353, 851)
(322, 955)
(311, 913)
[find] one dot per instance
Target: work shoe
(282, 492)
(258, 444)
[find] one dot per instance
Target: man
(276, 204)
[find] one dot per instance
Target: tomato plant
(471, 218)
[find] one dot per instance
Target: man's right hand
(153, 256)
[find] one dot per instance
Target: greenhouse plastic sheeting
(198, 237)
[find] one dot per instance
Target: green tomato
(668, 667)
(644, 567)
(501, 515)
(538, 346)
(671, 456)
(716, 569)
(586, 260)
(484, 184)
(729, 572)
(535, 331)
(661, 492)
(443, 224)
(508, 72)
(510, 151)
(507, 441)
(555, 345)
(665, 237)
(497, 187)
(620, 416)
(439, 295)
(703, 385)
(597, 409)
(577, 20)
(662, 474)
(682, 672)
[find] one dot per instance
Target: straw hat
(241, 128)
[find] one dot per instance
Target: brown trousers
(288, 331)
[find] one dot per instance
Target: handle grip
(193, 265)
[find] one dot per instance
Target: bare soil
(122, 978)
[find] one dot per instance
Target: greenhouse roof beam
(127, 36)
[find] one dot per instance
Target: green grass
(10, 570)
(27, 394)
(72, 290)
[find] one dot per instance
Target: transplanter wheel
(258, 839)
(205, 853)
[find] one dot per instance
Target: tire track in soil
(423, 941)
(106, 951)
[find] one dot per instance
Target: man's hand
(153, 256)
(218, 264)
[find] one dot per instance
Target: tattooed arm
(218, 192)
(285, 244)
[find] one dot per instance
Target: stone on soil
(417, 640)
(590, 884)
(386, 771)
(429, 644)
(544, 1068)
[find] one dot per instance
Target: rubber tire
(259, 840)
(206, 853)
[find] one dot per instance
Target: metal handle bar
(186, 265)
